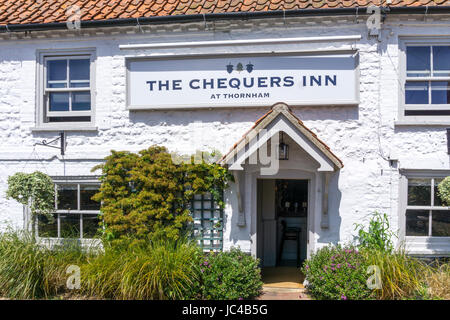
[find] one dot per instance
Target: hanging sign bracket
(61, 138)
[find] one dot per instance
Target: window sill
(427, 246)
(50, 243)
(64, 128)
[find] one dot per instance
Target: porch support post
(241, 218)
(324, 222)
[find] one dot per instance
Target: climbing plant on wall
(35, 189)
(147, 194)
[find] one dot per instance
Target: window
(426, 84)
(76, 214)
(208, 222)
(66, 89)
(425, 214)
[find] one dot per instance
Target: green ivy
(147, 195)
(35, 189)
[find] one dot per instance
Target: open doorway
(282, 228)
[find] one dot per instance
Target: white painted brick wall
(366, 183)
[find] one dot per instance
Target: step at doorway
(282, 277)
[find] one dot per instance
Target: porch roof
(265, 120)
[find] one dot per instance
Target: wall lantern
(283, 150)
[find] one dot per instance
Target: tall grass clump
(402, 276)
(30, 271)
(438, 282)
(158, 269)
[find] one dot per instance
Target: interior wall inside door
(267, 223)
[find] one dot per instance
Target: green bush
(157, 269)
(28, 271)
(338, 273)
(444, 190)
(230, 275)
(35, 189)
(378, 235)
(147, 195)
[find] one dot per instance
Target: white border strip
(237, 42)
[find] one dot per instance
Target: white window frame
(421, 245)
(423, 120)
(42, 91)
(82, 180)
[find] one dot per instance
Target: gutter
(208, 17)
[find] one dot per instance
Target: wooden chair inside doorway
(289, 234)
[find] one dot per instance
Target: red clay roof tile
(38, 11)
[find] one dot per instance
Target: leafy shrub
(158, 269)
(444, 190)
(378, 236)
(230, 275)
(147, 195)
(28, 271)
(35, 189)
(338, 273)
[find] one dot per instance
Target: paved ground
(283, 294)
(283, 283)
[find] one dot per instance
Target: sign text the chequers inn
(245, 81)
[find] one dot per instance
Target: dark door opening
(291, 207)
(282, 221)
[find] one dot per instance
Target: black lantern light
(283, 150)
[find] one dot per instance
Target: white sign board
(242, 81)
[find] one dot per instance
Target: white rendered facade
(378, 146)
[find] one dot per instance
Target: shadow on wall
(332, 234)
(185, 117)
(233, 115)
(317, 113)
(237, 233)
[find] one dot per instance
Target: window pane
(67, 197)
(437, 198)
(416, 92)
(59, 101)
(86, 193)
(441, 61)
(70, 225)
(81, 101)
(417, 222)
(56, 84)
(90, 226)
(440, 92)
(79, 69)
(56, 70)
(46, 229)
(79, 84)
(69, 119)
(418, 61)
(440, 224)
(419, 192)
